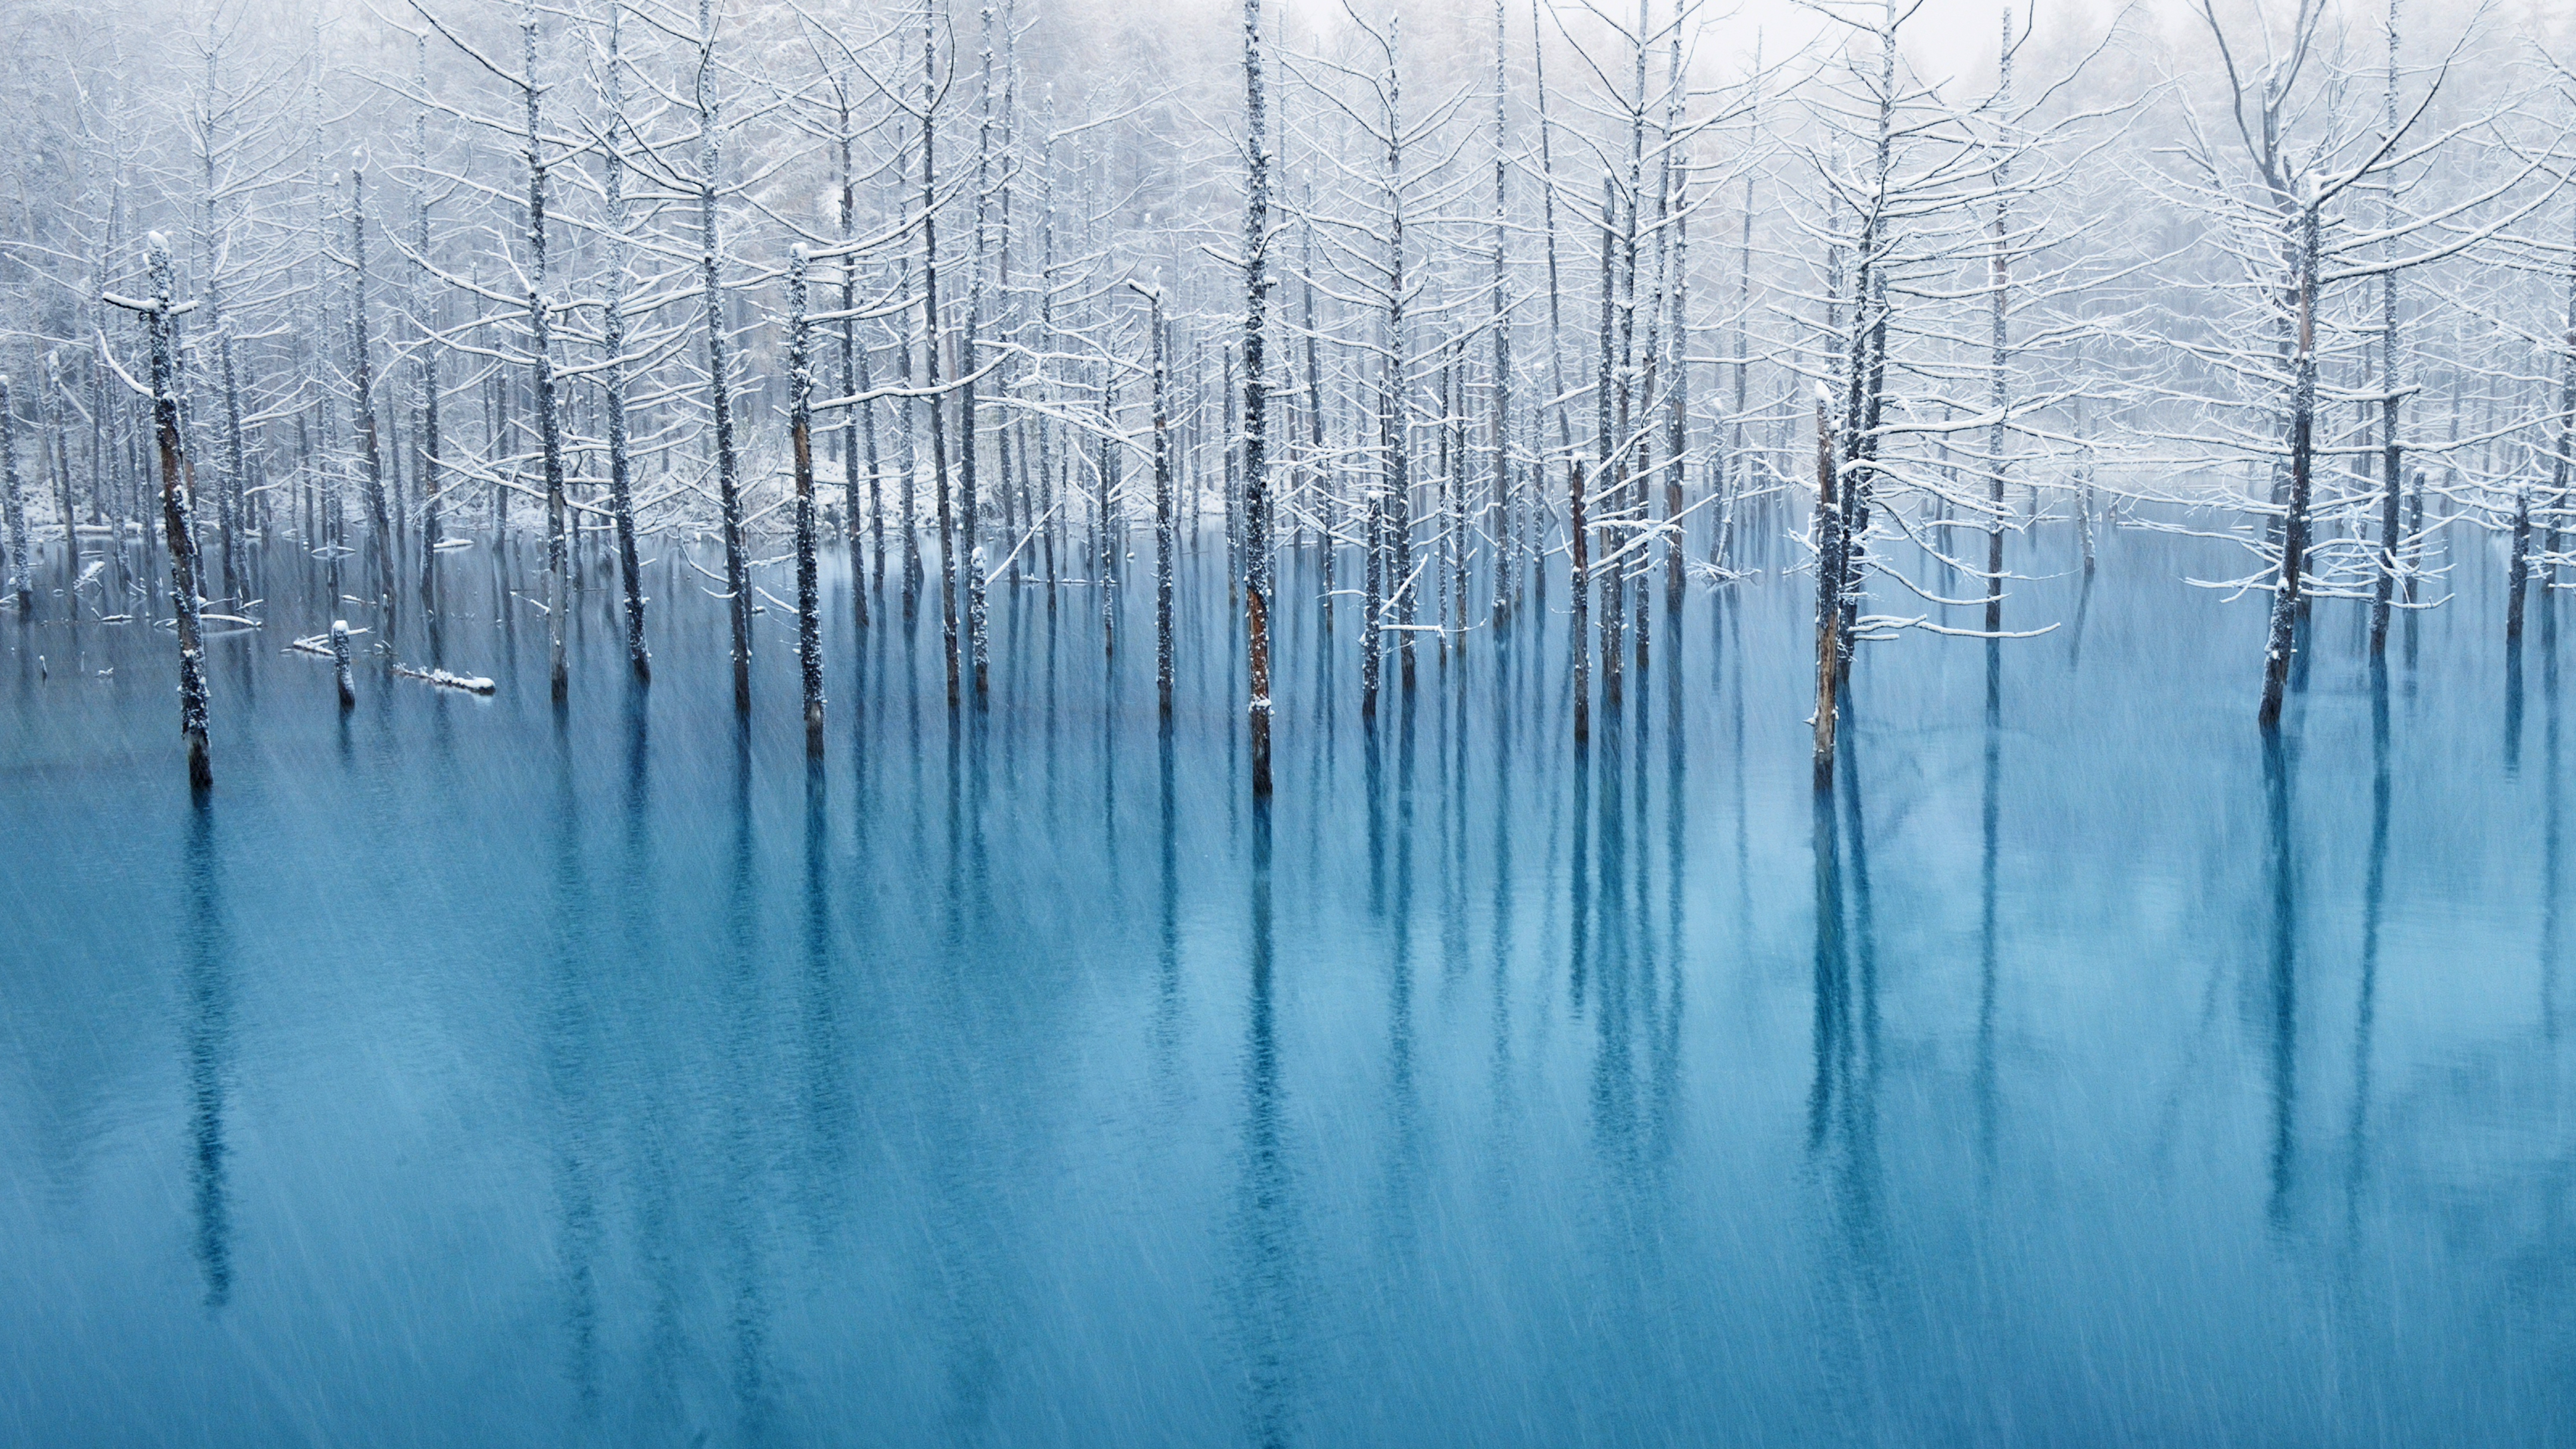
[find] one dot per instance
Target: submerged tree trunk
(930, 355)
(2392, 539)
(340, 664)
(1399, 489)
(178, 486)
(1373, 592)
(1162, 508)
(1256, 461)
(800, 413)
(1582, 580)
(1829, 583)
(1607, 444)
(719, 395)
(17, 507)
(1506, 561)
(969, 490)
(1109, 540)
(425, 365)
(51, 412)
(2560, 468)
(229, 489)
(2303, 409)
(859, 417)
(1677, 399)
(362, 382)
(1999, 323)
(621, 484)
(2517, 572)
(550, 440)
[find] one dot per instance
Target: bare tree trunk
(1506, 562)
(867, 412)
(2392, 538)
(930, 356)
(1829, 582)
(1607, 445)
(968, 489)
(1677, 394)
(2294, 533)
(910, 424)
(19, 583)
(2560, 467)
(1315, 415)
(362, 383)
(1580, 646)
(178, 487)
(1374, 579)
(340, 664)
(541, 366)
(800, 384)
(228, 504)
(859, 417)
(2084, 487)
(621, 484)
(719, 393)
(1738, 464)
(425, 366)
(1398, 427)
(1999, 321)
(1547, 213)
(1256, 394)
(52, 413)
(1162, 508)
(550, 440)
(1110, 542)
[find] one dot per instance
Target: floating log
(470, 683)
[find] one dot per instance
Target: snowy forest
(998, 300)
(1392, 722)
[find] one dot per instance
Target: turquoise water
(468, 1071)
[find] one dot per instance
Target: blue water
(469, 1072)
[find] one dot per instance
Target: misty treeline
(1448, 306)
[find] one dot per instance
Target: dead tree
(161, 313)
(1256, 462)
(621, 485)
(1830, 580)
(800, 392)
(19, 585)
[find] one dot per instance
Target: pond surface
(470, 1072)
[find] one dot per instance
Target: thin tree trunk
(719, 395)
(2560, 465)
(1547, 228)
(930, 356)
(968, 489)
(621, 488)
(1162, 509)
(859, 418)
(800, 384)
(362, 380)
(1580, 646)
(1999, 323)
(1256, 438)
(1829, 581)
(2392, 539)
(2294, 533)
(1506, 562)
(1605, 390)
(19, 581)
